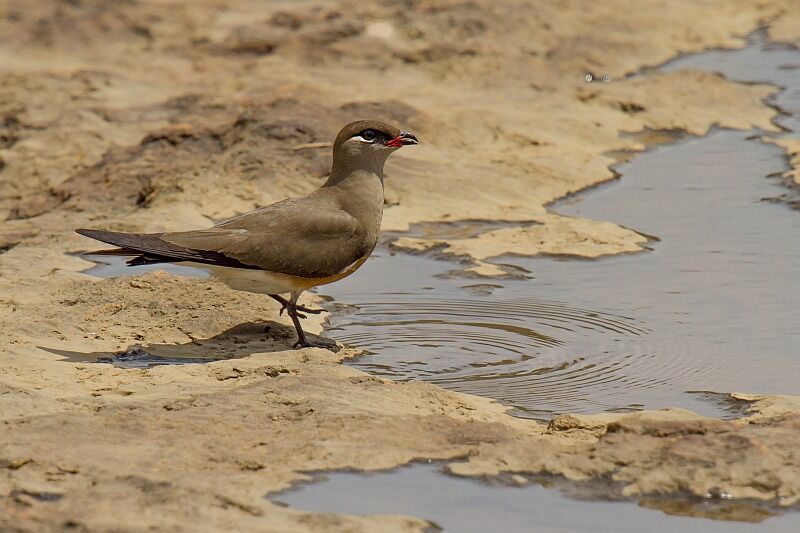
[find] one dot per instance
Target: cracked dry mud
(142, 115)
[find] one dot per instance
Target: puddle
(466, 505)
(719, 290)
(526, 351)
(759, 62)
(712, 307)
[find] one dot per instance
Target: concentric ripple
(708, 309)
(718, 294)
(537, 355)
(712, 308)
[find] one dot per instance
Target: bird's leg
(301, 308)
(281, 300)
(291, 310)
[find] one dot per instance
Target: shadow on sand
(237, 342)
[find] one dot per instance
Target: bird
(292, 245)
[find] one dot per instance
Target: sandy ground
(161, 114)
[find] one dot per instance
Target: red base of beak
(395, 143)
(404, 139)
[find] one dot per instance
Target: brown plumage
(294, 244)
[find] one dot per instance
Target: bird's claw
(299, 310)
(305, 343)
(299, 315)
(313, 344)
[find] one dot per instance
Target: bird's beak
(405, 138)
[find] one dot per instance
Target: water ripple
(538, 355)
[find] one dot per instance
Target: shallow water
(713, 306)
(759, 62)
(466, 505)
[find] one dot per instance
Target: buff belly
(264, 282)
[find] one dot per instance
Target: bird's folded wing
(288, 238)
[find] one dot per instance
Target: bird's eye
(368, 135)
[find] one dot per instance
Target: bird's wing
(151, 248)
(289, 237)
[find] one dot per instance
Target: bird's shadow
(237, 342)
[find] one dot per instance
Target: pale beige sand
(165, 114)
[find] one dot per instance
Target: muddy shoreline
(156, 116)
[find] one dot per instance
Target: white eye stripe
(363, 140)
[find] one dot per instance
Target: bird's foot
(300, 310)
(329, 345)
(302, 344)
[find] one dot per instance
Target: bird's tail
(129, 244)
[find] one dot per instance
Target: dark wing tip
(86, 232)
(123, 240)
(154, 249)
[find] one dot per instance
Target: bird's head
(365, 145)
